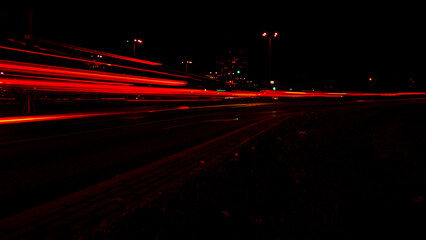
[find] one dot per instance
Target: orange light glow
(24, 119)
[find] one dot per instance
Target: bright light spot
(275, 34)
(264, 34)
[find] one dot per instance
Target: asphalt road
(351, 173)
(42, 161)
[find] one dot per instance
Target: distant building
(232, 70)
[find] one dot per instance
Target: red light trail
(30, 68)
(272, 93)
(81, 49)
(83, 86)
(35, 118)
(97, 62)
(64, 79)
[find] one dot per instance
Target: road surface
(45, 160)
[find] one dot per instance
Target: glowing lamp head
(275, 34)
(264, 34)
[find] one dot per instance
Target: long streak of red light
(101, 63)
(93, 87)
(33, 77)
(271, 93)
(19, 67)
(23, 119)
(52, 78)
(63, 86)
(64, 116)
(81, 49)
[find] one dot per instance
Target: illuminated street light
(269, 36)
(186, 64)
(134, 42)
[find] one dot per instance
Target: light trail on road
(25, 119)
(51, 78)
(97, 62)
(52, 117)
(48, 70)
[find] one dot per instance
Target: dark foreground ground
(352, 174)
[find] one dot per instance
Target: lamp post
(269, 36)
(186, 64)
(134, 42)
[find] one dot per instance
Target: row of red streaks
(96, 52)
(97, 62)
(272, 93)
(47, 70)
(72, 85)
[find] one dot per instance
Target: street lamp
(136, 41)
(186, 64)
(269, 36)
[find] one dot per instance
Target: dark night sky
(324, 42)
